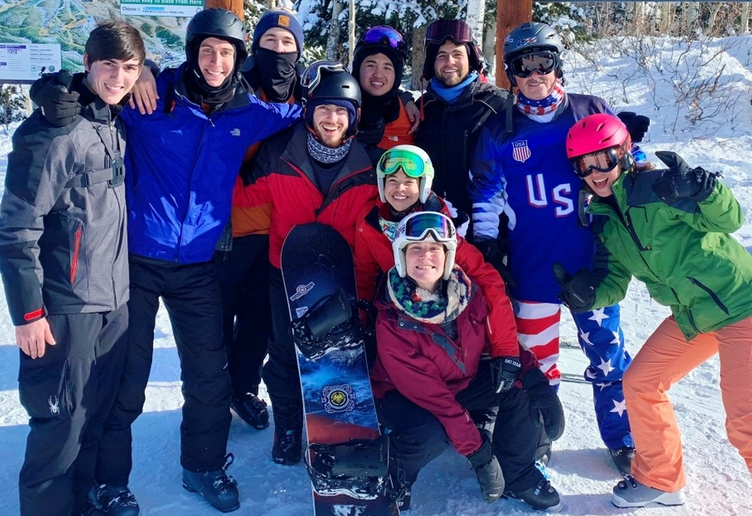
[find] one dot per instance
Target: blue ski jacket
(182, 165)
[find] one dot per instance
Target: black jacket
(449, 132)
(63, 240)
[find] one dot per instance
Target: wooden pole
(235, 6)
(509, 14)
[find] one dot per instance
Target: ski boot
(217, 488)
(288, 433)
(622, 458)
(542, 496)
(631, 493)
(251, 409)
(112, 500)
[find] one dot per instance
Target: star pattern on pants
(599, 314)
(606, 367)
(620, 407)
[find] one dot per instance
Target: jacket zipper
(76, 249)
(710, 292)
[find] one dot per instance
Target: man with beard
(316, 171)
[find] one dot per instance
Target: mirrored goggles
(456, 30)
(394, 160)
(385, 35)
(417, 228)
(312, 76)
(542, 62)
(602, 161)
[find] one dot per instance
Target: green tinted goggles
(394, 160)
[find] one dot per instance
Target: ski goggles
(602, 161)
(312, 76)
(393, 161)
(385, 35)
(456, 30)
(543, 62)
(422, 224)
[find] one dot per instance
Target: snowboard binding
(357, 468)
(329, 324)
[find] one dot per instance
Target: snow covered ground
(718, 482)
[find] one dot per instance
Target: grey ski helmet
(531, 37)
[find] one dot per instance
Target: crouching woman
(432, 368)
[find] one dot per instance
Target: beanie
(363, 50)
(278, 18)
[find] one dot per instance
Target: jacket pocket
(43, 384)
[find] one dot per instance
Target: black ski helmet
(531, 37)
(325, 81)
(216, 23)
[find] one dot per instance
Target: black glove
(504, 372)
(544, 400)
(637, 125)
(488, 471)
(680, 181)
(52, 93)
(578, 291)
(493, 252)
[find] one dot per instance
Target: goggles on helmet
(312, 76)
(441, 30)
(419, 227)
(384, 35)
(524, 65)
(602, 161)
(394, 160)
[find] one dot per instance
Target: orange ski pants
(665, 358)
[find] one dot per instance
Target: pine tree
(12, 104)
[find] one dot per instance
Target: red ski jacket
(284, 178)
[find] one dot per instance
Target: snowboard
(346, 455)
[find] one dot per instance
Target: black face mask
(277, 73)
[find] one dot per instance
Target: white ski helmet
(421, 226)
(413, 161)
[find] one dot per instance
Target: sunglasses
(385, 35)
(602, 161)
(543, 62)
(395, 160)
(456, 30)
(418, 227)
(312, 76)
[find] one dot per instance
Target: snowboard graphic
(319, 279)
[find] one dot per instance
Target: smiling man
(456, 105)
(314, 172)
(64, 264)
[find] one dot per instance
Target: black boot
(622, 458)
(217, 488)
(111, 500)
(488, 472)
(542, 497)
(288, 432)
(251, 409)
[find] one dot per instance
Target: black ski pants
(246, 312)
(191, 296)
(281, 370)
(68, 394)
(417, 437)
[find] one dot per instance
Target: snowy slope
(718, 482)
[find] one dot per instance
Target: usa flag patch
(520, 151)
